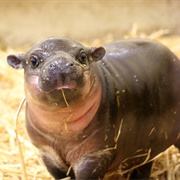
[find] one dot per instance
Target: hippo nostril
(52, 66)
(69, 64)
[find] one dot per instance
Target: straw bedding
(12, 156)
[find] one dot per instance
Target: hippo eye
(82, 58)
(34, 61)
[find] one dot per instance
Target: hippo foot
(55, 171)
(93, 167)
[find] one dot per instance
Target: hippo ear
(98, 53)
(15, 61)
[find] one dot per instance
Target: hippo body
(105, 110)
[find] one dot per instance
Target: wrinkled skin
(93, 111)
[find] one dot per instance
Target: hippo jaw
(53, 95)
(60, 95)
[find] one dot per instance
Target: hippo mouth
(61, 87)
(66, 87)
(58, 94)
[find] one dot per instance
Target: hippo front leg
(93, 167)
(55, 171)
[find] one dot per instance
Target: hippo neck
(108, 87)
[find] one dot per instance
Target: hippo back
(143, 77)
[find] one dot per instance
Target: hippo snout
(60, 73)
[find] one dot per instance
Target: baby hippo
(93, 111)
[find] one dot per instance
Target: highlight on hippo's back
(96, 112)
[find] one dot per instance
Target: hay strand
(24, 174)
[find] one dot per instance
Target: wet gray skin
(92, 111)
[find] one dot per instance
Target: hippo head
(57, 71)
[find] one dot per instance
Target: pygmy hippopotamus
(102, 110)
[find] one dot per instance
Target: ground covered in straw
(16, 165)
